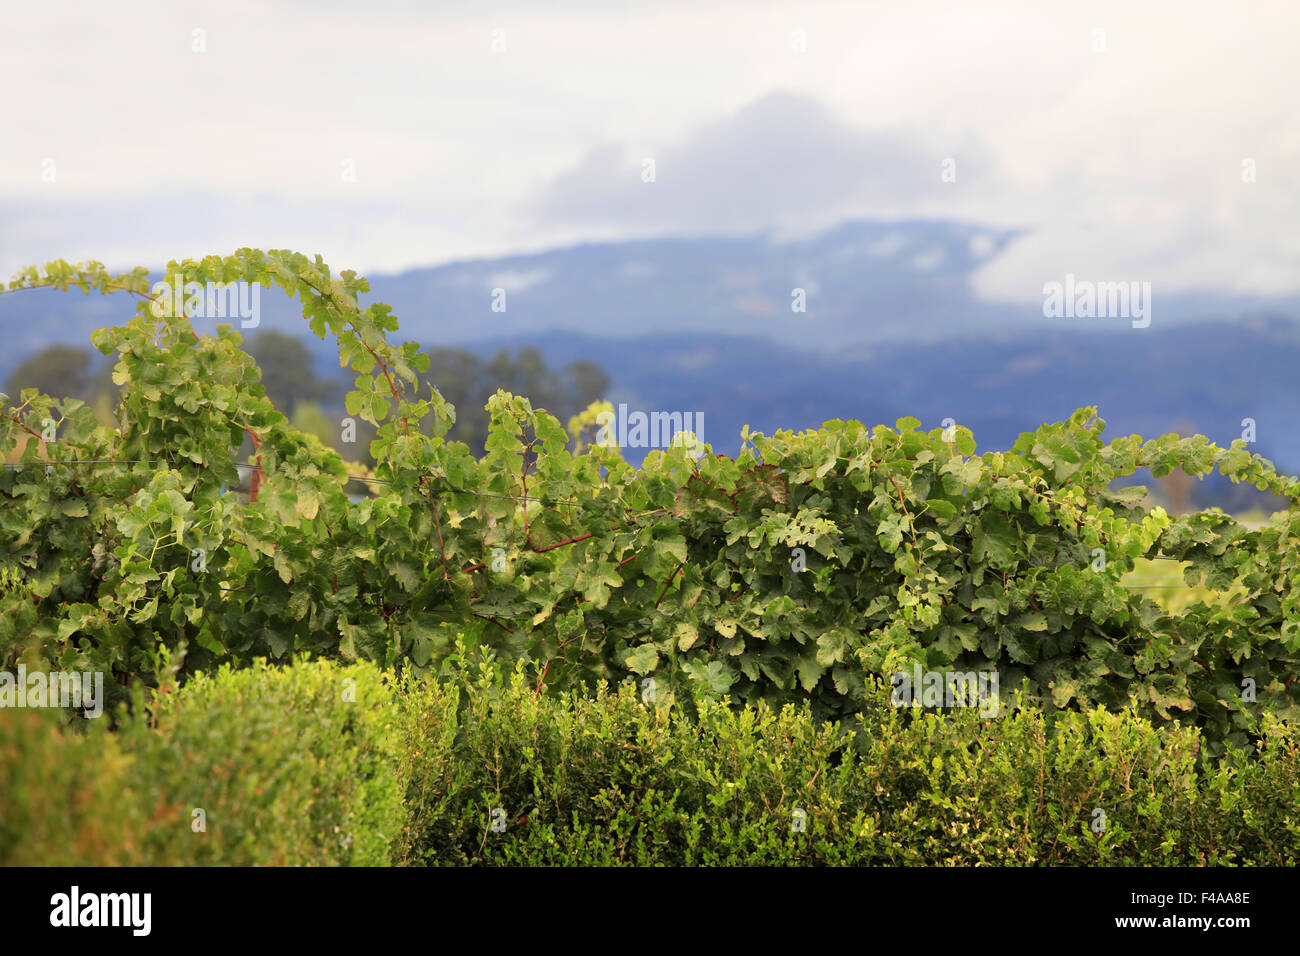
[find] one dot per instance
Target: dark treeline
(315, 402)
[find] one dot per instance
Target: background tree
(587, 383)
(468, 382)
(458, 375)
(315, 403)
(68, 371)
(61, 371)
(288, 373)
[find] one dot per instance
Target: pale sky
(1121, 151)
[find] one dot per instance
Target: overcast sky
(388, 135)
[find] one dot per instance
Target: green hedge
(610, 780)
(290, 765)
(66, 797)
(295, 766)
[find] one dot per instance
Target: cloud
(1124, 162)
(782, 162)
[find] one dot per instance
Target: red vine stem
(383, 366)
(541, 680)
(143, 295)
(442, 548)
(561, 544)
(25, 427)
(255, 482)
(669, 582)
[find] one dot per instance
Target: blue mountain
(891, 328)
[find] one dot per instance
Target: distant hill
(866, 283)
(1204, 377)
(892, 328)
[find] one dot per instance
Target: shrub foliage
(293, 768)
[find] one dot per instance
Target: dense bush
(67, 797)
(481, 769)
(293, 765)
(612, 779)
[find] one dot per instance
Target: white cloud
(981, 245)
(518, 281)
(1120, 164)
(783, 162)
(636, 269)
(927, 260)
(884, 248)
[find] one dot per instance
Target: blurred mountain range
(891, 328)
